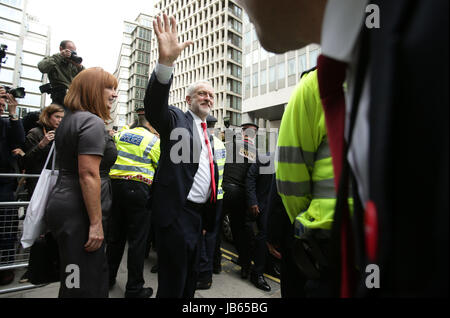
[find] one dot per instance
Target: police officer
(305, 182)
(240, 155)
(257, 185)
(132, 176)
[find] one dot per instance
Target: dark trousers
(257, 229)
(209, 246)
(130, 221)
(178, 246)
(292, 280)
(8, 223)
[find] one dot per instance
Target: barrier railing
(12, 255)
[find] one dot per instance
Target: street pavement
(227, 284)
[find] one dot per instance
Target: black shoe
(217, 268)
(143, 293)
(112, 282)
(154, 269)
(245, 272)
(260, 282)
(204, 285)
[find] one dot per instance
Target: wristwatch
(13, 116)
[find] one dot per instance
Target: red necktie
(331, 76)
(211, 164)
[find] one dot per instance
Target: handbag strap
(52, 151)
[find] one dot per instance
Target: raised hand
(169, 47)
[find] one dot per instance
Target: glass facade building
(28, 42)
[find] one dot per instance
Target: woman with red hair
(81, 199)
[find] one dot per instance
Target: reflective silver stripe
(298, 189)
(133, 168)
(295, 155)
(150, 146)
(134, 157)
(324, 189)
(221, 168)
(324, 151)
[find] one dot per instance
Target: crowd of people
(339, 199)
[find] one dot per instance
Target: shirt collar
(197, 119)
(341, 27)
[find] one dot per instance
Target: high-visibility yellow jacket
(138, 152)
(221, 156)
(304, 170)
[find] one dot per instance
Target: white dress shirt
(201, 188)
(340, 40)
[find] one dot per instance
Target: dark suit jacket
(409, 145)
(257, 187)
(174, 180)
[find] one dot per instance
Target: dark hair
(44, 118)
(64, 43)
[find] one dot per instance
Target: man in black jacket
(257, 186)
(186, 185)
(401, 197)
(11, 137)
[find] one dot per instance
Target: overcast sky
(96, 26)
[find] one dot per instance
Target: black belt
(194, 206)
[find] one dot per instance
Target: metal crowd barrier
(12, 254)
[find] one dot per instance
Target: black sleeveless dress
(66, 215)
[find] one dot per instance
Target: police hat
(211, 119)
(250, 124)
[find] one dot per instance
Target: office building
(269, 79)
(28, 42)
(132, 69)
(215, 27)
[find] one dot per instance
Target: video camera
(46, 88)
(18, 92)
(3, 48)
(74, 57)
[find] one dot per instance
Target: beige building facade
(215, 27)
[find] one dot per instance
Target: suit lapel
(196, 145)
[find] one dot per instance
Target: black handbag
(43, 266)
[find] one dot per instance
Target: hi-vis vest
(221, 157)
(304, 170)
(138, 152)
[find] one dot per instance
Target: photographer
(61, 69)
(11, 137)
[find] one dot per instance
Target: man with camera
(61, 69)
(11, 137)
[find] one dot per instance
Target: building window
(255, 80)
(291, 67)
(302, 63)
(272, 74)
(263, 77)
(281, 71)
(313, 55)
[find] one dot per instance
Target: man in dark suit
(401, 98)
(185, 188)
(257, 186)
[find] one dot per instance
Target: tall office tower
(215, 27)
(270, 79)
(28, 42)
(132, 69)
